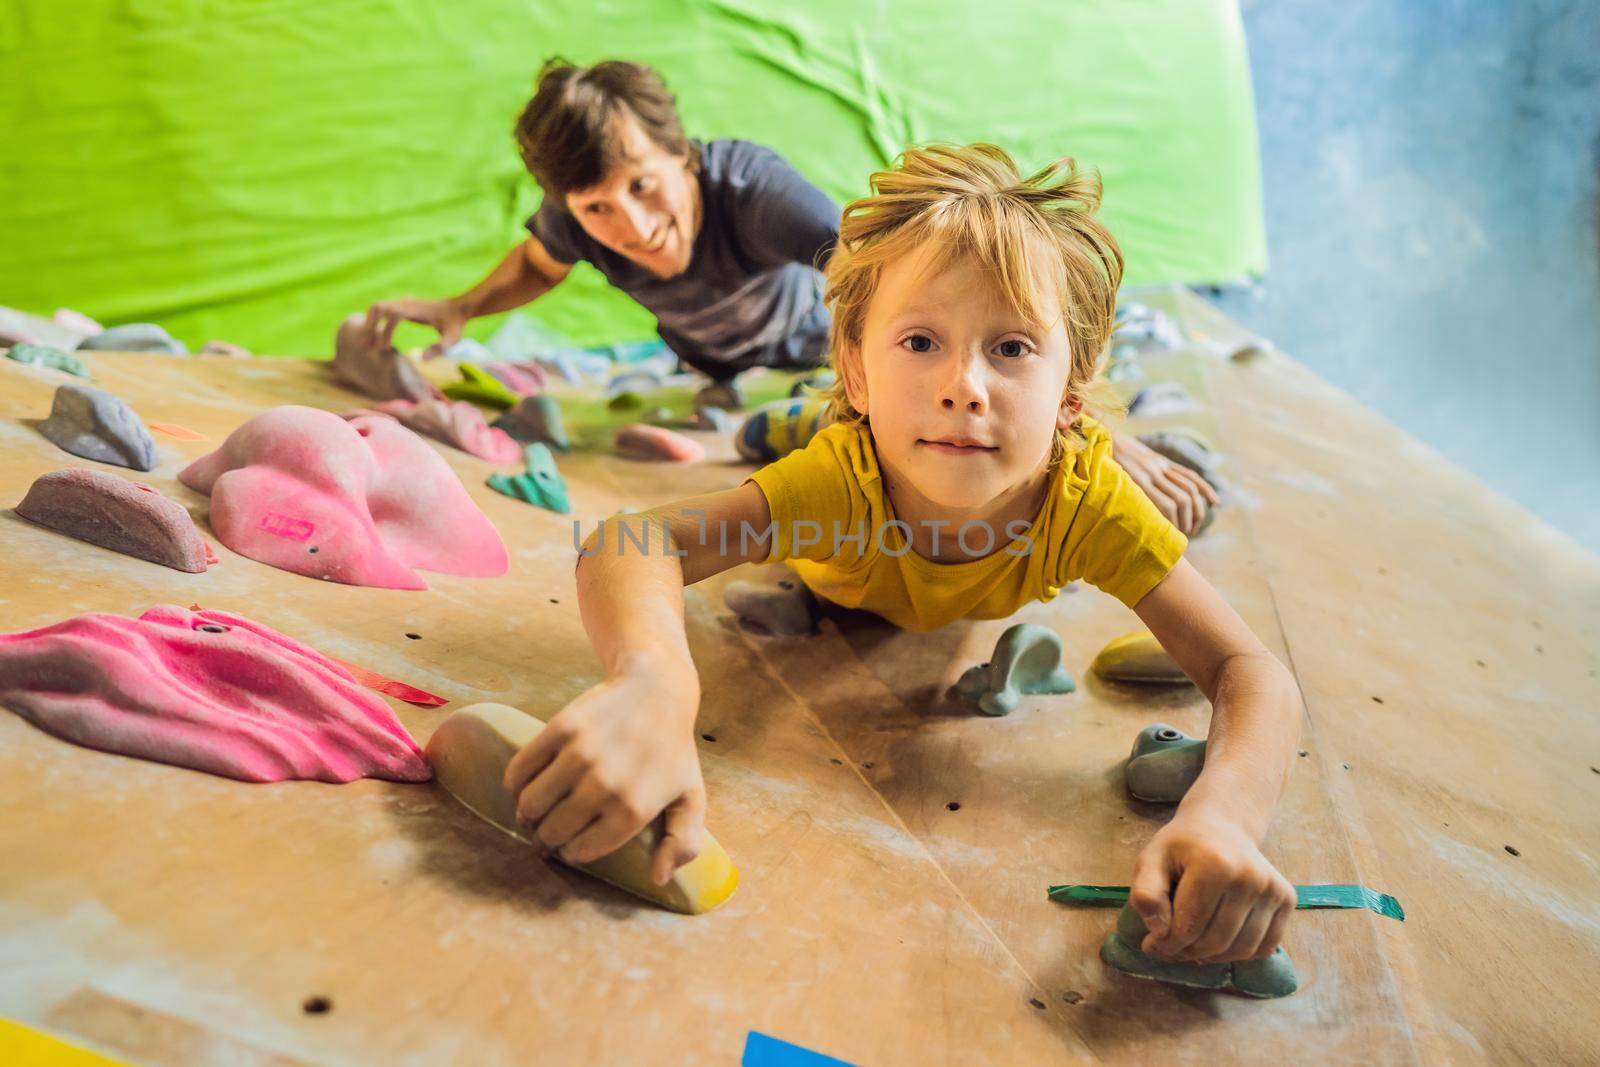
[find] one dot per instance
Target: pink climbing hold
(78, 322)
(207, 690)
(123, 516)
(638, 441)
(361, 502)
(524, 379)
(456, 423)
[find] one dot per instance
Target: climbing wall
(895, 849)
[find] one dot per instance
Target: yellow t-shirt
(1095, 524)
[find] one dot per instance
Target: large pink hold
(457, 423)
(361, 502)
(638, 441)
(206, 690)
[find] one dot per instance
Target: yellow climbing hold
(1137, 657)
(469, 753)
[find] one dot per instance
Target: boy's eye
(920, 343)
(1012, 349)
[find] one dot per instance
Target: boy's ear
(1071, 408)
(855, 382)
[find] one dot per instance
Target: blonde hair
(971, 201)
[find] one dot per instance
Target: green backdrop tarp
(255, 169)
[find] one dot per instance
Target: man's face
(647, 208)
(964, 395)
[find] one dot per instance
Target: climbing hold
(1164, 763)
(1140, 322)
(77, 322)
(207, 690)
(1186, 448)
(1027, 659)
(124, 516)
(536, 418)
(1265, 978)
(638, 441)
(709, 418)
(469, 753)
(364, 502)
(724, 395)
(373, 369)
(637, 382)
(480, 387)
(94, 424)
(458, 424)
(625, 401)
(540, 484)
(225, 348)
(787, 609)
(1162, 398)
(1137, 657)
(134, 337)
(467, 350)
(46, 356)
(523, 379)
(774, 430)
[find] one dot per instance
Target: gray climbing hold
(373, 369)
(96, 425)
(1186, 448)
(724, 395)
(134, 337)
(787, 609)
(1164, 763)
(536, 419)
(1264, 979)
(47, 356)
(713, 418)
(1162, 398)
(1027, 659)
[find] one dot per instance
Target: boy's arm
(1204, 889)
(623, 752)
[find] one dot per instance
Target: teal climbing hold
(1164, 763)
(1026, 660)
(540, 484)
(46, 356)
(1265, 978)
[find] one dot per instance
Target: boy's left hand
(1206, 892)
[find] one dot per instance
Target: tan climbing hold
(469, 753)
(1137, 657)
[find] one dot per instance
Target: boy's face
(646, 208)
(964, 396)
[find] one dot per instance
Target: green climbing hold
(540, 484)
(46, 356)
(1027, 659)
(1265, 978)
(627, 400)
(481, 387)
(1164, 763)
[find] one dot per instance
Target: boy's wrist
(673, 670)
(1220, 795)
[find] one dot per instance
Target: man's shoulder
(729, 161)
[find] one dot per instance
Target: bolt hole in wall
(317, 1006)
(1430, 178)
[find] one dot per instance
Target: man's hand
(1181, 494)
(446, 316)
(607, 764)
(1229, 904)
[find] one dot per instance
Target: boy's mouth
(956, 446)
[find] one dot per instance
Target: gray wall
(1430, 172)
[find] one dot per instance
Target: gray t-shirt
(752, 294)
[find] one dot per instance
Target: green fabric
(255, 169)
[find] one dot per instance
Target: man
(723, 241)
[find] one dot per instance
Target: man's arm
(526, 273)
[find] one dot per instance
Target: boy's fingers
(1192, 907)
(571, 817)
(1274, 934)
(1150, 895)
(530, 760)
(539, 797)
(603, 837)
(1248, 940)
(1223, 929)
(684, 824)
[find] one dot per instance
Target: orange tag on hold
(182, 433)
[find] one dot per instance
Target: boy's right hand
(606, 765)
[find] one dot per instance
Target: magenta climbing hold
(207, 690)
(638, 441)
(363, 502)
(124, 516)
(374, 369)
(457, 423)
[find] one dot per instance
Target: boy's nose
(963, 388)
